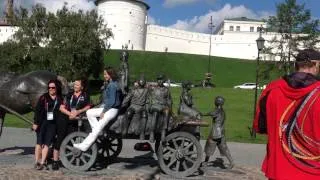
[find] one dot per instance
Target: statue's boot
(223, 148)
(142, 128)
(228, 155)
(125, 127)
(164, 126)
(2, 114)
(126, 123)
(205, 163)
(163, 135)
(153, 126)
(151, 139)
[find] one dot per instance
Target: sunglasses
(51, 87)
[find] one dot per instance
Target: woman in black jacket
(45, 117)
(76, 103)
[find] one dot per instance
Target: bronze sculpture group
(152, 106)
(157, 101)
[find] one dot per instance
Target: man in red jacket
(288, 112)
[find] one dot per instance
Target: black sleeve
(67, 100)
(86, 100)
(169, 101)
(262, 121)
(40, 109)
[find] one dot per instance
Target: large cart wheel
(180, 155)
(75, 159)
(109, 145)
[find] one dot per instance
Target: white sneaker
(80, 147)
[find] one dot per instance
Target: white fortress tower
(127, 20)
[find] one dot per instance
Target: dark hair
(83, 82)
(111, 72)
(58, 85)
(305, 57)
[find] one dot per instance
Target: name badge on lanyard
(73, 108)
(50, 113)
(49, 116)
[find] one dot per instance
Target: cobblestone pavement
(16, 163)
(23, 172)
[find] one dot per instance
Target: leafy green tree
(69, 43)
(296, 29)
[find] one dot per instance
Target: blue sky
(194, 15)
(191, 15)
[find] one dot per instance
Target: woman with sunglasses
(45, 117)
(112, 97)
(75, 104)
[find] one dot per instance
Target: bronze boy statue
(217, 133)
(161, 104)
(187, 109)
(124, 72)
(137, 98)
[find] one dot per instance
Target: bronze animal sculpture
(19, 93)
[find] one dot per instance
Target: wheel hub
(76, 152)
(179, 154)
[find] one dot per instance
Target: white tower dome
(128, 21)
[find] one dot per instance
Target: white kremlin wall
(6, 32)
(233, 45)
(127, 19)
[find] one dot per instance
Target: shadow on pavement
(17, 149)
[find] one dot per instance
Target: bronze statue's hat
(160, 77)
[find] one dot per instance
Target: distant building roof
(4, 22)
(138, 1)
(243, 19)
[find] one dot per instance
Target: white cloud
(151, 20)
(74, 5)
(200, 23)
(53, 5)
(173, 3)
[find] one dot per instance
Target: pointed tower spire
(9, 12)
(9, 9)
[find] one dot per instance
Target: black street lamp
(211, 26)
(260, 45)
(206, 82)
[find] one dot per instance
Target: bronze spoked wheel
(180, 155)
(75, 159)
(109, 145)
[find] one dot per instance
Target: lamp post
(211, 26)
(260, 45)
(206, 82)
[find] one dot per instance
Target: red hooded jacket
(294, 157)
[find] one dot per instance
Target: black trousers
(46, 133)
(64, 127)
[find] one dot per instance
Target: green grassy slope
(227, 72)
